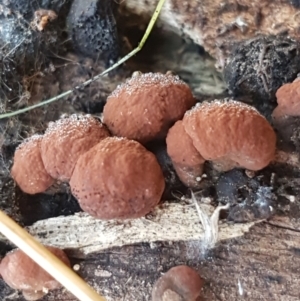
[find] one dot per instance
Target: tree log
(263, 264)
(122, 260)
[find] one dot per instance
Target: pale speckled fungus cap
(66, 140)
(28, 169)
(146, 106)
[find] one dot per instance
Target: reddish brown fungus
(187, 161)
(231, 134)
(180, 283)
(20, 272)
(117, 179)
(66, 140)
(28, 169)
(145, 106)
(288, 99)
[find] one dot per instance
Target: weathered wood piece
(84, 234)
(263, 264)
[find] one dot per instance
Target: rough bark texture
(217, 24)
(264, 264)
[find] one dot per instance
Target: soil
(232, 270)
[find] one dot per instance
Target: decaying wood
(263, 264)
(122, 260)
(169, 222)
(214, 24)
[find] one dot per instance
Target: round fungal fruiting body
(180, 283)
(228, 133)
(28, 169)
(288, 99)
(117, 179)
(20, 272)
(146, 106)
(231, 134)
(66, 140)
(286, 116)
(187, 161)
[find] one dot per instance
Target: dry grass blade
(120, 62)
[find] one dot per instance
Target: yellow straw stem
(120, 62)
(49, 262)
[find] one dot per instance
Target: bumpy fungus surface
(180, 283)
(66, 140)
(144, 107)
(286, 116)
(28, 169)
(231, 134)
(288, 99)
(117, 179)
(186, 160)
(22, 273)
(172, 181)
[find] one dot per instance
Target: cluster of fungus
(42, 159)
(112, 177)
(104, 172)
(21, 273)
(117, 177)
(113, 174)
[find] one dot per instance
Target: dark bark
(265, 261)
